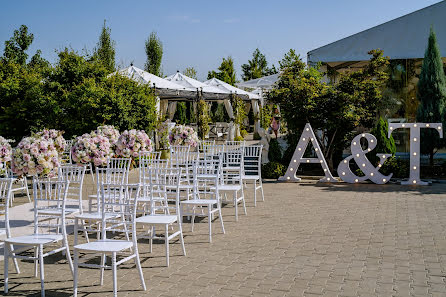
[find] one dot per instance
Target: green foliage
(384, 144)
(275, 151)
(226, 72)
(257, 67)
(180, 116)
(154, 52)
(243, 133)
(256, 136)
(203, 118)
(16, 46)
(192, 112)
(335, 110)
(239, 111)
(219, 114)
(105, 49)
(432, 96)
(265, 116)
(397, 166)
(238, 138)
(190, 72)
(273, 170)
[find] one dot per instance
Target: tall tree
(190, 72)
(432, 96)
(16, 46)
(226, 71)
(257, 67)
(105, 49)
(154, 52)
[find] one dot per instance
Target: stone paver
(306, 239)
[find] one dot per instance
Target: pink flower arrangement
(91, 147)
(131, 142)
(5, 150)
(56, 136)
(35, 156)
(183, 135)
(108, 131)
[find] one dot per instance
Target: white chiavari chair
(116, 200)
(47, 194)
(252, 168)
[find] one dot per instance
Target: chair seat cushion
(200, 202)
(107, 245)
(95, 216)
(35, 239)
(58, 211)
(157, 219)
(250, 177)
(229, 187)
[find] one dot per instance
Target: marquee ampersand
(359, 155)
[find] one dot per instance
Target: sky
(197, 33)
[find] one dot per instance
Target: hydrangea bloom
(56, 136)
(5, 150)
(35, 156)
(183, 135)
(91, 147)
(110, 132)
(131, 142)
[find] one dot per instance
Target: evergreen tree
(16, 46)
(384, 144)
(257, 67)
(190, 72)
(154, 52)
(226, 72)
(432, 95)
(105, 50)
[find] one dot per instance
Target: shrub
(257, 136)
(273, 170)
(397, 166)
(275, 151)
(239, 138)
(384, 144)
(243, 132)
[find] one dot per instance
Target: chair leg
(221, 218)
(255, 194)
(210, 222)
(115, 276)
(36, 262)
(138, 266)
(42, 272)
(27, 190)
(166, 242)
(76, 221)
(261, 189)
(102, 269)
(67, 253)
(236, 206)
(152, 230)
(182, 239)
(192, 220)
(16, 265)
(6, 268)
(75, 272)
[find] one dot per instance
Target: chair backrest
(252, 160)
(75, 175)
(49, 195)
(5, 196)
(202, 145)
(232, 166)
(119, 199)
(207, 178)
(149, 156)
(234, 145)
(213, 150)
(164, 183)
(179, 155)
(122, 164)
(3, 169)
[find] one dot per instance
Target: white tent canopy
(188, 82)
(231, 89)
(155, 81)
(402, 38)
(265, 82)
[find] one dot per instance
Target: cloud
(184, 18)
(231, 21)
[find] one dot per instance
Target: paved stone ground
(305, 240)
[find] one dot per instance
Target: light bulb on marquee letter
(414, 175)
(305, 138)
